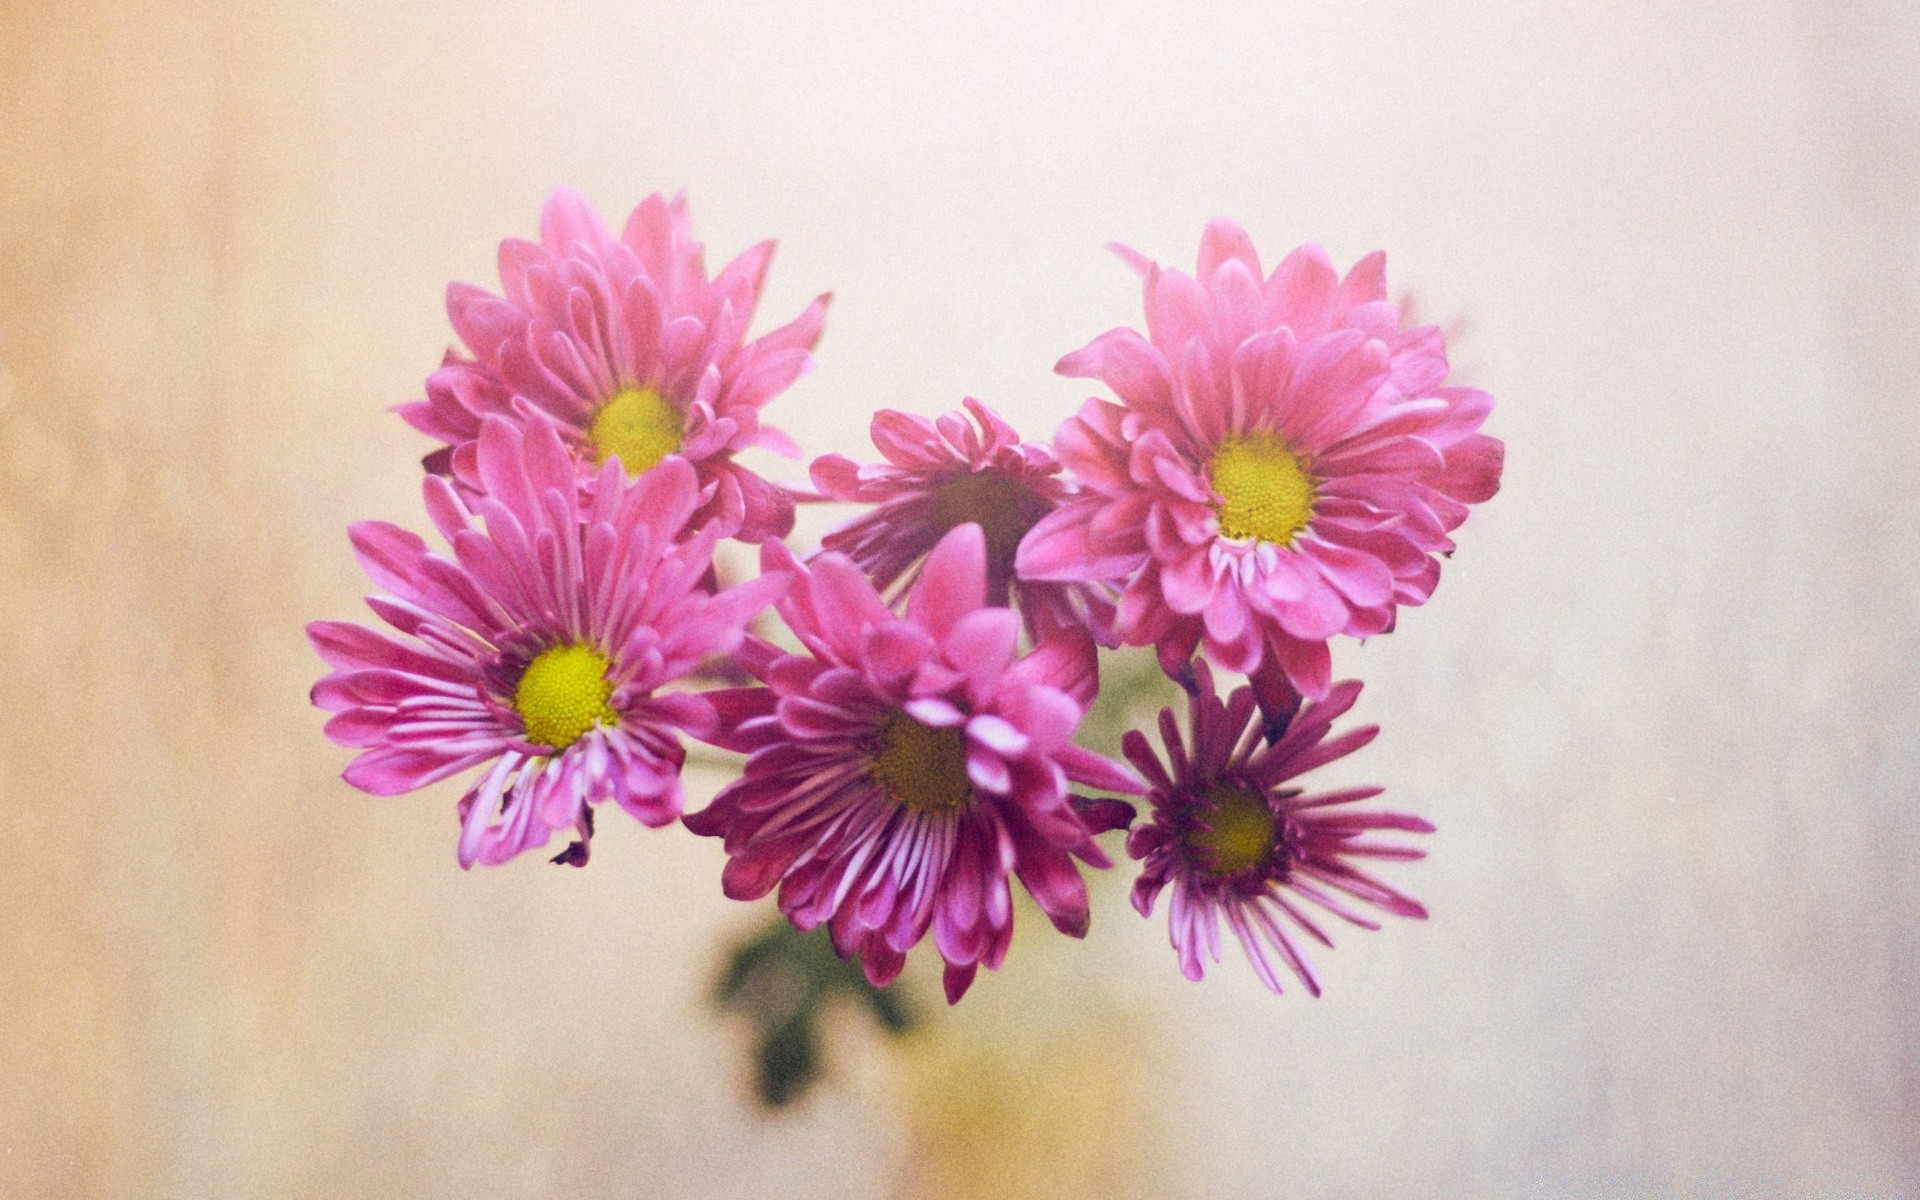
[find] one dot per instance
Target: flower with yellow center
(922, 767)
(1241, 830)
(540, 648)
(638, 424)
(1266, 493)
(563, 693)
(1238, 840)
(907, 768)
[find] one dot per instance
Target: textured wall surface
(1663, 707)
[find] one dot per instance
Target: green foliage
(783, 981)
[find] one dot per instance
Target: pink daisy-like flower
(538, 647)
(1235, 842)
(944, 473)
(1283, 464)
(903, 767)
(631, 348)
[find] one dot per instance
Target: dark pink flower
(631, 348)
(1236, 842)
(537, 647)
(946, 472)
(1283, 464)
(903, 767)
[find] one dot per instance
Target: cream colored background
(1663, 708)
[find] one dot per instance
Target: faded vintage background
(1664, 707)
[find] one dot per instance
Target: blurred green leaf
(783, 980)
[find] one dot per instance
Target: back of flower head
(943, 473)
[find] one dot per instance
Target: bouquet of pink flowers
(1280, 464)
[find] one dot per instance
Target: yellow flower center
(998, 503)
(563, 694)
(1242, 830)
(1265, 492)
(639, 425)
(922, 767)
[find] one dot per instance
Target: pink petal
(1366, 282)
(1068, 663)
(953, 582)
(982, 643)
(389, 771)
(568, 221)
(1225, 241)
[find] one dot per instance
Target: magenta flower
(1235, 842)
(627, 344)
(903, 767)
(538, 647)
(1282, 466)
(943, 473)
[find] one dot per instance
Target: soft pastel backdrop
(1665, 707)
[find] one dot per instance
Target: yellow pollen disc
(923, 768)
(638, 425)
(996, 502)
(563, 694)
(1265, 492)
(1243, 830)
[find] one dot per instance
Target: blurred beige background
(1664, 707)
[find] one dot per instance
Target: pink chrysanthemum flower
(537, 647)
(631, 348)
(904, 766)
(943, 473)
(1283, 464)
(1236, 842)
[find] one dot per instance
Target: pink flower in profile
(946, 472)
(1282, 466)
(631, 348)
(538, 647)
(903, 767)
(1236, 842)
